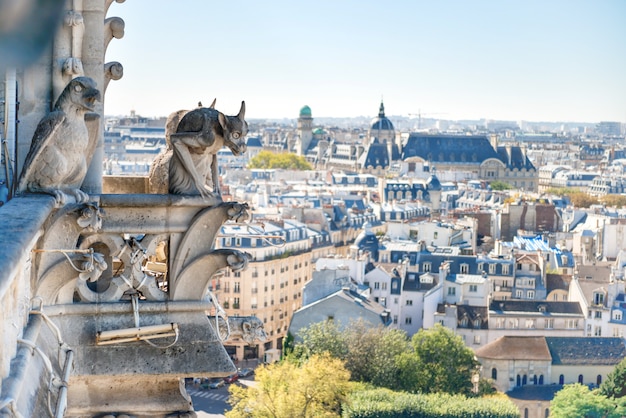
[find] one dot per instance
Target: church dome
(382, 123)
(433, 183)
(367, 241)
(305, 111)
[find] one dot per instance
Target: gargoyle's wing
(45, 131)
(92, 121)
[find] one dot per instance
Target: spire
(381, 112)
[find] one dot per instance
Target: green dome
(305, 111)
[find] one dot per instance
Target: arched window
(525, 412)
(580, 379)
(561, 379)
(541, 379)
(599, 380)
(519, 380)
(547, 414)
(494, 373)
(524, 380)
(534, 379)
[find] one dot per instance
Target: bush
(384, 403)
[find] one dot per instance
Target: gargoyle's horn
(242, 111)
(213, 104)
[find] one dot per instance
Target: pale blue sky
(536, 60)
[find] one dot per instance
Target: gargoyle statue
(63, 144)
(191, 159)
(248, 328)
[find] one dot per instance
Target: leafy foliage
(384, 403)
(500, 185)
(615, 384)
(439, 362)
(287, 161)
(614, 200)
(315, 388)
(577, 400)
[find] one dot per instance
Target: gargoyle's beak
(90, 97)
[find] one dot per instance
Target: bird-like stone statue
(63, 145)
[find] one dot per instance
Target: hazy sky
(536, 60)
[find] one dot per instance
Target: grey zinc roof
(586, 350)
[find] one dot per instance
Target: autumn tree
(438, 362)
(314, 388)
(614, 200)
(284, 160)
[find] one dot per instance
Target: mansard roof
(377, 155)
(464, 149)
(536, 306)
(439, 148)
(586, 350)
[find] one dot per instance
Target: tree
(322, 337)
(439, 362)
(285, 160)
(369, 352)
(577, 400)
(372, 353)
(615, 384)
(315, 388)
(582, 200)
(614, 200)
(500, 185)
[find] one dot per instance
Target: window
(407, 320)
(599, 380)
(473, 288)
(530, 294)
(530, 323)
(519, 266)
(426, 267)
(451, 291)
(617, 315)
(519, 294)
(494, 373)
(238, 241)
(505, 269)
(236, 303)
(500, 323)
(383, 286)
(383, 301)
(580, 379)
(598, 315)
(481, 267)
(492, 268)
(549, 323)
(561, 379)
(237, 288)
(476, 339)
(464, 268)
(376, 285)
(572, 323)
(395, 301)
(409, 302)
(598, 298)
(597, 331)
(395, 319)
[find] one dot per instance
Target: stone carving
(248, 328)
(63, 144)
(189, 165)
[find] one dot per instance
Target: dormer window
(492, 268)
(598, 298)
(464, 268)
(426, 267)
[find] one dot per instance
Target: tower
(305, 130)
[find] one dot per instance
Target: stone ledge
(21, 221)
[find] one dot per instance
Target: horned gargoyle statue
(189, 165)
(63, 144)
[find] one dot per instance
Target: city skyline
(533, 61)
